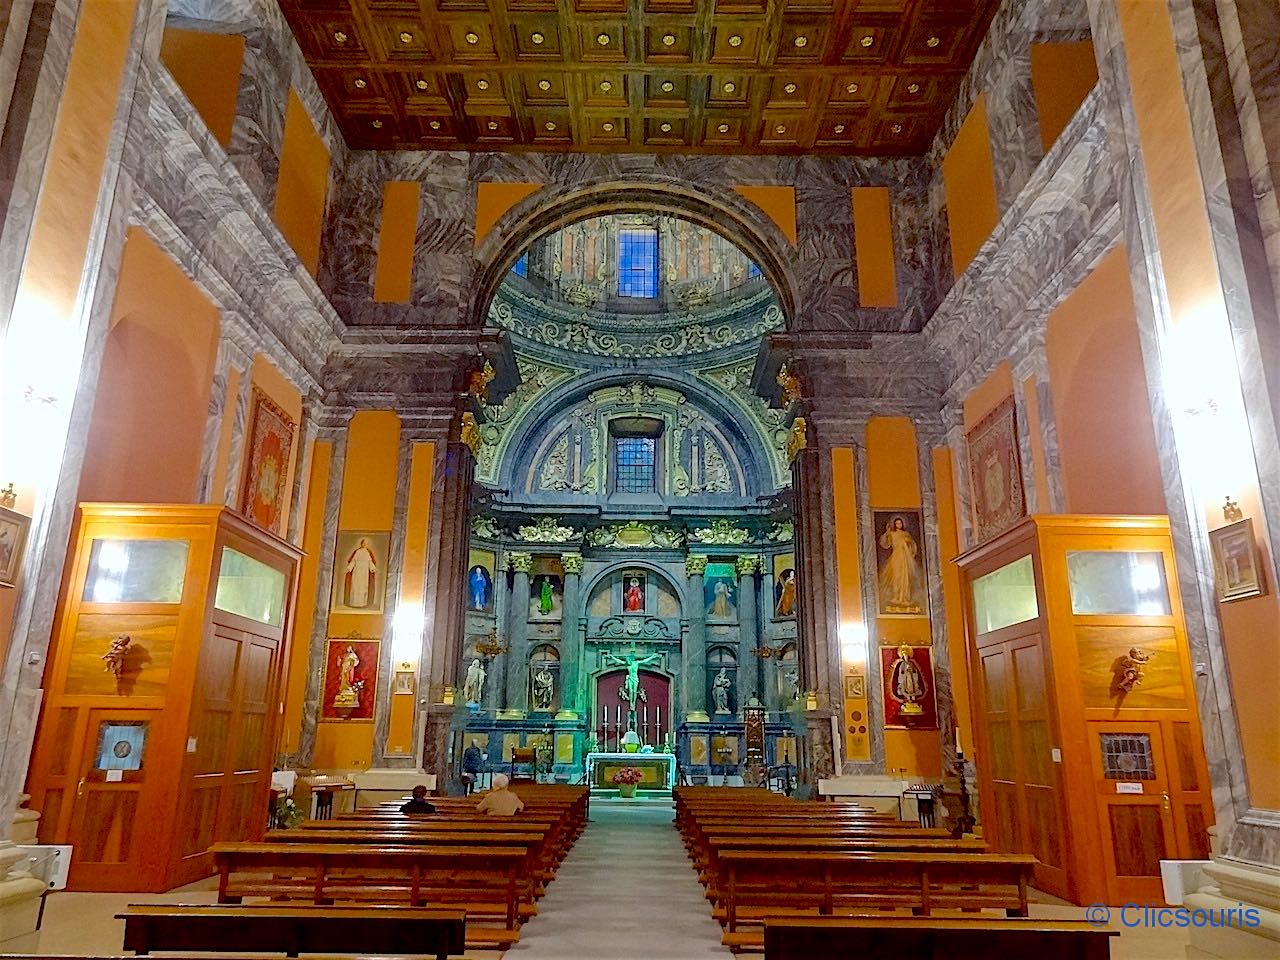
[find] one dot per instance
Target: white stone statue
(720, 691)
(544, 689)
(473, 686)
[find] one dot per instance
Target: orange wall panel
(393, 276)
(495, 199)
(303, 184)
(844, 507)
(147, 434)
(1062, 75)
(308, 577)
(873, 247)
(1097, 376)
(969, 176)
(207, 68)
(987, 395)
(778, 203)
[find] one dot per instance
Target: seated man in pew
(501, 801)
(418, 802)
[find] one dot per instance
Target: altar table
(658, 770)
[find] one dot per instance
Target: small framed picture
(855, 687)
(13, 537)
(403, 682)
(1236, 569)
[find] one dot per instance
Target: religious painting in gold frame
(901, 587)
(13, 537)
(784, 586)
(350, 678)
(906, 679)
(360, 572)
(266, 473)
(1237, 572)
(995, 472)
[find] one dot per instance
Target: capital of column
(695, 565)
(520, 562)
(748, 565)
(572, 562)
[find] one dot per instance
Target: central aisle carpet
(626, 890)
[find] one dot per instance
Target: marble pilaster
(572, 641)
(517, 658)
(694, 648)
(749, 631)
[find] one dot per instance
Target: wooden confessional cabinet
(164, 690)
(1089, 747)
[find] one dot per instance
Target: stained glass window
(1127, 756)
(638, 262)
(521, 269)
(752, 270)
(635, 464)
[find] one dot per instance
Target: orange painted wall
(368, 503)
(987, 395)
(1251, 628)
(778, 204)
(1062, 75)
(873, 247)
(944, 482)
(207, 68)
(495, 199)
(1096, 377)
(844, 511)
(893, 481)
(147, 433)
(400, 732)
(308, 575)
(969, 177)
(393, 276)
(303, 183)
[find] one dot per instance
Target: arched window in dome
(638, 262)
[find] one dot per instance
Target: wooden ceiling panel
(710, 76)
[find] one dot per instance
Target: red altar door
(653, 709)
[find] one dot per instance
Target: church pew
(700, 843)
(697, 830)
(293, 929)
(560, 835)
(935, 938)
(712, 874)
(485, 881)
(825, 882)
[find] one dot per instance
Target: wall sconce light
(406, 632)
(853, 643)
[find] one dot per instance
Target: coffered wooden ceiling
(672, 76)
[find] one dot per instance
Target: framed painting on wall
(901, 587)
(784, 586)
(266, 472)
(359, 572)
(720, 591)
(13, 537)
(906, 679)
(546, 589)
(995, 472)
(350, 678)
(1236, 570)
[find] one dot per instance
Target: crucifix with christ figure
(630, 691)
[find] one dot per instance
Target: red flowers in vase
(627, 776)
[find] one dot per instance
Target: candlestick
(657, 720)
(958, 750)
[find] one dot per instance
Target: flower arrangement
(627, 776)
(288, 814)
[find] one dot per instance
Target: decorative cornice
(721, 531)
(547, 530)
(636, 535)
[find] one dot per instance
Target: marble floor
(625, 890)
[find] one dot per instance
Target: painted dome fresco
(636, 286)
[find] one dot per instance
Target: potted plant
(627, 779)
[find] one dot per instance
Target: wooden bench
(484, 881)
(933, 938)
(826, 882)
(292, 930)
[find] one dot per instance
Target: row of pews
(377, 882)
(803, 879)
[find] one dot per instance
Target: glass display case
(163, 690)
(1083, 703)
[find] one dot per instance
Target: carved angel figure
(115, 655)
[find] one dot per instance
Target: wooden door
(1026, 792)
(653, 709)
(114, 849)
(1135, 811)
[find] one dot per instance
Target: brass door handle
(80, 787)
(1165, 798)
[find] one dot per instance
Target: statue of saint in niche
(479, 587)
(633, 595)
(720, 691)
(473, 686)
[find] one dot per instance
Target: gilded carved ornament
(799, 438)
(469, 433)
(721, 531)
(790, 385)
(480, 380)
(572, 562)
(520, 562)
(547, 530)
(695, 565)
(748, 565)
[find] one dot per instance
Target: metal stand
(965, 822)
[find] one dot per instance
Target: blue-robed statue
(480, 587)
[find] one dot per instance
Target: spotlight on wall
(853, 643)
(406, 632)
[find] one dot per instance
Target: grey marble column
(768, 690)
(517, 658)
(748, 631)
(570, 642)
(695, 648)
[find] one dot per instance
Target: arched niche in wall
(631, 588)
